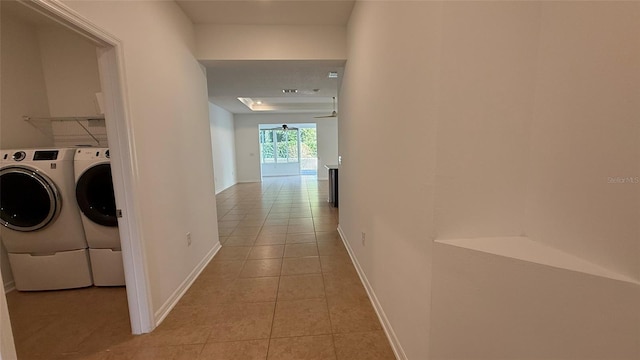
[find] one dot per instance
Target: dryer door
(94, 193)
(29, 200)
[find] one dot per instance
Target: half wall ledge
(525, 249)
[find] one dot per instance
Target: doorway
(288, 150)
(308, 150)
(134, 304)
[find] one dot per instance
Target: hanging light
(285, 127)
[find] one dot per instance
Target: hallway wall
(511, 118)
(387, 143)
(224, 147)
(167, 102)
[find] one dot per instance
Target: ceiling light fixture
(255, 105)
(289, 91)
(333, 74)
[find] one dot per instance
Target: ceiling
(257, 80)
(264, 80)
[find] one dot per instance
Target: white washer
(96, 200)
(42, 230)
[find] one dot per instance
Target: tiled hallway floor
(282, 287)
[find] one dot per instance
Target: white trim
(171, 302)
(9, 286)
(249, 181)
(221, 190)
(123, 159)
(7, 343)
(124, 170)
(386, 325)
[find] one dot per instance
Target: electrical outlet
(188, 239)
(364, 238)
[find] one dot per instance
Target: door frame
(124, 166)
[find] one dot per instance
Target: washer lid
(94, 193)
(29, 200)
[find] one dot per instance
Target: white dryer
(42, 230)
(96, 200)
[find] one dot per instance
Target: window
(279, 146)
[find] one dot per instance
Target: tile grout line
(275, 305)
(287, 202)
(324, 288)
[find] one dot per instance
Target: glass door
(280, 151)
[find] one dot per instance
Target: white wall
(248, 148)
(23, 86)
(586, 131)
(288, 169)
(490, 307)
(70, 65)
(223, 147)
(513, 116)
(270, 42)
(72, 79)
(167, 100)
(482, 146)
(387, 144)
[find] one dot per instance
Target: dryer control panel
(92, 154)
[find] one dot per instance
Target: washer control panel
(19, 156)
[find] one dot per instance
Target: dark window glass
(24, 201)
(95, 196)
(46, 155)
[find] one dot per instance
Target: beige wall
(586, 131)
(270, 42)
(500, 119)
(23, 86)
(224, 147)
(48, 70)
(490, 307)
(487, 74)
(388, 108)
(168, 105)
(70, 66)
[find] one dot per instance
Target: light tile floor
(282, 287)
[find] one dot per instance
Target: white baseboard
(9, 287)
(391, 335)
(225, 188)
(166, 308)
